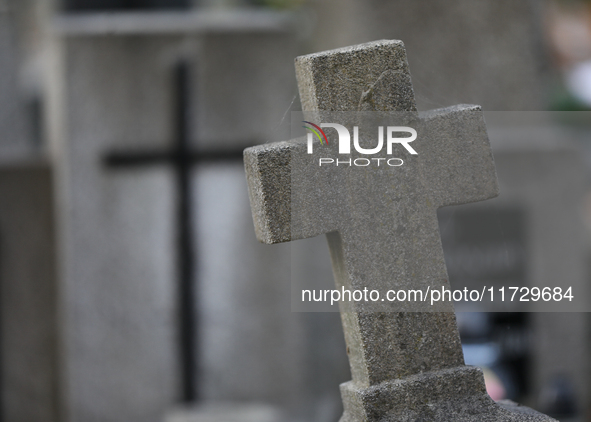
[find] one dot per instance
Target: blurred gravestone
(488, 52)
(532, 235)
(113, 94)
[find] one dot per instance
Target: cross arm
(291, 197)
(268, 175)
(457, 165)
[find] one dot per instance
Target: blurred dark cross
(182, 158)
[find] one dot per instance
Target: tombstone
(405, 365)
(542, 175)
(116, 126)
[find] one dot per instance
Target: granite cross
(382, 230)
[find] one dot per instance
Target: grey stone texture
(404, 365)
(112, 90)
(28, 318)
(455, 394)
(488, 52)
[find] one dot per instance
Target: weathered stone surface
(393, 355)
(386, 68)
(456, 394)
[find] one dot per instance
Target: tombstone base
(456, 394)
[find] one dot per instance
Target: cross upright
(382, 230)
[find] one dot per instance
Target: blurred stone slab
(28, 318)
(478, 61)
(216, 42)
(537, 224)
(173, 23)
(226, 413)
(542, 176)
(114, 91)
(254, 348)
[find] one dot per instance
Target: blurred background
(132, 287)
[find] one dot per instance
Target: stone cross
(382, 232)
